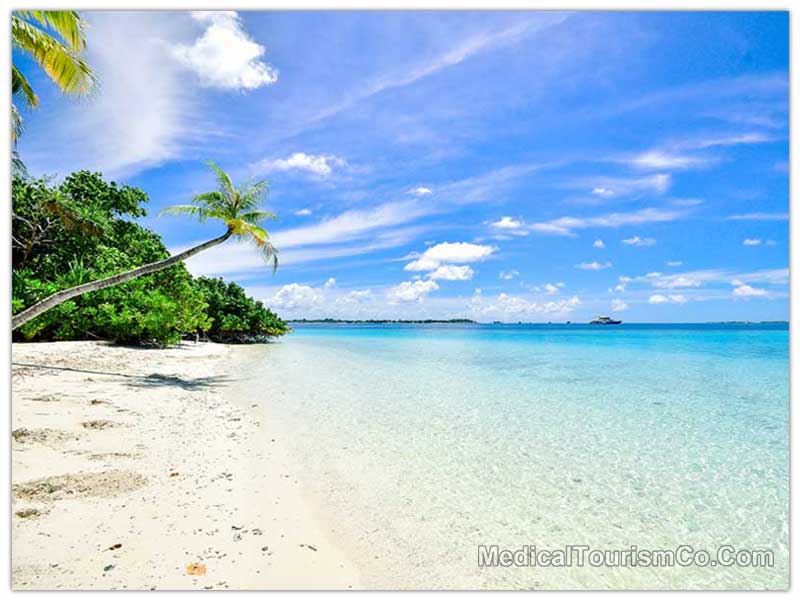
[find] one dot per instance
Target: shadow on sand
(152, 380)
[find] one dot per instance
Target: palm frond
(17, 124)
(223, 180)
(63, 65)
(211, 200)
(67, 23)
(21, 89)
(18, 168)
(199, 212)
(250, 195)
(258, 216)
(257, 236)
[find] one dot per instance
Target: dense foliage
(83, 230)
(235, 317)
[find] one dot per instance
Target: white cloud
(674, 156)
(618, 305)
(730, 140)
(637, 241)
(508, 275)
(349, 225)
(674, 263)
(746, 291)
(690, 279)
(411, 291)
(593, 266)
(320, 165)
(612, 187)
(296, 300)
(669, 299)
(447, 252)
(225, 56)
(145, 112)
(751, 242)
(658, 159)
(598, 243)
(452, 273)
(551, 290)
(507, 223)
(772, 276)
(507, 307)
(567, 225)
(295, 295)
(303, 212)
(759, 216)
(713, 279)
(421, 191)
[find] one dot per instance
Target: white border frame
(5, 185)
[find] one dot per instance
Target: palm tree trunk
(55, 299)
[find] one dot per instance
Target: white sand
(166, 473)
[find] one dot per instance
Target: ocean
(421, 443)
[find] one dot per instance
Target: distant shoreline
(471, 322)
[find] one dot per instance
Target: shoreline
(136, 469)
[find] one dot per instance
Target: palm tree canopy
(55, 40)
(237, 208)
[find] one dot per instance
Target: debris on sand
(48, 437)
(79, 485)
(46, 398)
(100, 424)
(195, 569)
(29, 513)
(107, 455)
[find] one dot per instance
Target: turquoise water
(420, 443)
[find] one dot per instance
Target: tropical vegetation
(83, 231)
(54, 39)
(237, 208)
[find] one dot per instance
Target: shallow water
(420, 443)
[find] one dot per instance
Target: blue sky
(535, 166)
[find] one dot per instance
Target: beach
(384, 457)
(133, 469)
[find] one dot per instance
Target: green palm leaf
(237, 208)
(67, 23)
(63, 65)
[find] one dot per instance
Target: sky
(499, 166)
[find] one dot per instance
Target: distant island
(384, 321)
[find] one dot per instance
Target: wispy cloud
(759, 216)
(146, 112)
(350, 225)
(616, 187)
(457, 54)
(638, 241)
(567, 225)
(593, 266)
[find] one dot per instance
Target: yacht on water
(604, 320)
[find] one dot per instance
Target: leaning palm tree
(32, 32)
(236, 207)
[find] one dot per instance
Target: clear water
(420, 443)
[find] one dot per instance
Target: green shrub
(235, 317)
(84, 229)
